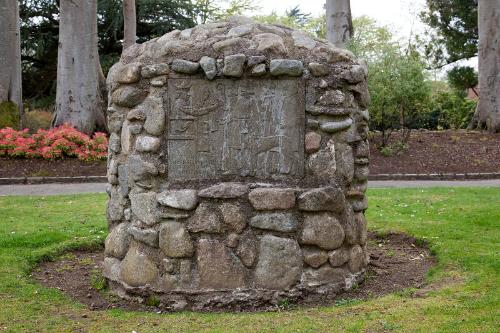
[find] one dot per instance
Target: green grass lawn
(462, 226)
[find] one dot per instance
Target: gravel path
(56, 189)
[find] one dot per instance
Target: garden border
(436, 176)
(52, 180)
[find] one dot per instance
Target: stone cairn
(238, 163)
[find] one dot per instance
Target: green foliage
(387, 151)
(395, 148)
(297, 19)
(9, 115)
(35, 120)
(39, 43)
(152, 301)
(40, 31)
(450, 110)
(370, 40)
(215, 10)
(462, 78)
(455, 35)
(397, 80)
(97, 281)
(154, 19)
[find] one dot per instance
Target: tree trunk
(129, 23)
(488, 110)
(78, 97)
(338, 22)
(10, 54)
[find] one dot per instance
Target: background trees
(456, 30)
(455, 36)
(79, 101)
(459, 29)
(40, 31)
(398, 84)
(10, 56)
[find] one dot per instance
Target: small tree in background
(399, 89)
(462, 78)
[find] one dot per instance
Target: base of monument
(234, 300)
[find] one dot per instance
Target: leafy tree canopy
(462, 78)
(455, 30)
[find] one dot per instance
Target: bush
(62, 141)
(450, 111)
(35, 120)
(397, 80)
(9, 116)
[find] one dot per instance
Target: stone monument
(238, 163)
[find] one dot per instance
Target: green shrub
(9, 116)
(397, 80)
(97, 281)
(152, 301)
(35, 120)
(396, 148)
(387, 151)
(450, 111)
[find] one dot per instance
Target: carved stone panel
(237, 128)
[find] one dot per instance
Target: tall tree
(338, 22)
(488, 110)
(129, 23)
(10, 54)
(78, 98)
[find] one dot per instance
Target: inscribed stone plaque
(228, 127)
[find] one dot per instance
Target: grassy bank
(462, 226)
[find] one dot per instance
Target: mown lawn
(461, 224)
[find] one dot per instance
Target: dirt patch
(69, 167)
(397, 261)
(448, 151)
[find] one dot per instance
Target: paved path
(54, 189)
(433, 183)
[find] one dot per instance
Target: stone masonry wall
(238, 163)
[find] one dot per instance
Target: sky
(401, 16)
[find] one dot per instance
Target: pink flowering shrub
(62, 141)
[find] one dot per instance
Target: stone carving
(238, 165)
(235, 128)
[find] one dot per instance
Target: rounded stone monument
(238, 163)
